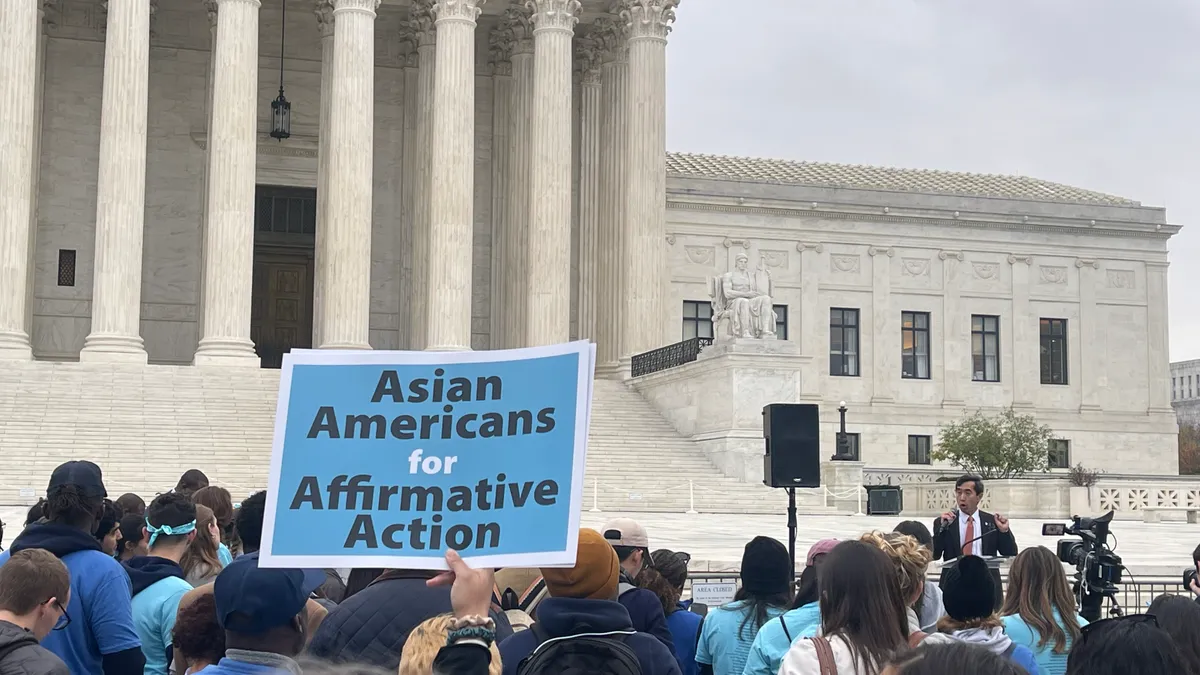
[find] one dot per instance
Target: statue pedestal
(843, 482)
(717, 400)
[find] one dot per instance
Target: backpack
(583, 654)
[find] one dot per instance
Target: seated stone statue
(741, 302)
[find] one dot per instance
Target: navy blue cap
(253, 599)
(83, 475)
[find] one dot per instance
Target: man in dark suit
(954, 531)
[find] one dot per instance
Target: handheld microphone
(941, 523)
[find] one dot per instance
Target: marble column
(1158, 369)
(48, 15)
(409, 302)
(232, 153)
(589, 189)
(885, 325)
(955, 339)
(448, 314)
(19, 27)
(548, 292)
(121, 187)
(346, 243)
(614, 119)
(1023, 327)
(517, 208)
(211, 9)
(501, 44)
(814, 334)
(646, 196)
(421, 23)
(325, 21)
(1090, 337)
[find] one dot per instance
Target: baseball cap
(82, 474)
(626, 532)
(253, 599)
(820, 548)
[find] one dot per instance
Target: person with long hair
(766, 592)
(802, 620)
(219, 500)
(1039, 610)
(666, 578)
(864, 618)
(969, 593)
(910, 560)
(929, 608)
(200, 562)
(1180, 617)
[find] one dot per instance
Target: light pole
(843, 440)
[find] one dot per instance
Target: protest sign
(389, 459)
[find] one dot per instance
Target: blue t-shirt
(772, 643)
(685, 630)
(1023, 634)
(100, 610)
(154, 611)
(224, 555)
(724, 641)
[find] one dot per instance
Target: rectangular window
(66, 267)
(781, 318)
(843, 342)
(1060, 453)
(914, 345)
(918, 449)
(697, 319)
(853, 442)
(985, 348)
(1054, 351)
(1172, 389)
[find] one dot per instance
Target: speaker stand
(792, 530)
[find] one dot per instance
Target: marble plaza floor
(715, 541)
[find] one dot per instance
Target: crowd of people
(103, 586)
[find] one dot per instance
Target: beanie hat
(766, 567)
(969, 592)
(594, 576)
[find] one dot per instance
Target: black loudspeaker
(793, 433)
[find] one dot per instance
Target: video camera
(1097, 568)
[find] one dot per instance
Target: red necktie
(969, 540)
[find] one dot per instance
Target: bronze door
(281, 314)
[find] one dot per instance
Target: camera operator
(968, 531)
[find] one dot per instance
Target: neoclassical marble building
(471, 174)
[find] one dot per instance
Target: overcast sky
(1101, 94)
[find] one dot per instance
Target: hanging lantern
(281, 109)
(281, 117)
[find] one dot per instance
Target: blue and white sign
(388, 459)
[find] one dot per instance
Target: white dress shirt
(977, 546)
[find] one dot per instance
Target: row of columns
(622, 175)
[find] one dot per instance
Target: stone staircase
(145, 425)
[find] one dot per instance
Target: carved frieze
(1052, 274)
(986, 271)
(730, 243)
(777, 259)
(802, 247)
(1087, 262)
(947, 255)
(1014, 259)
(1121, 279)
(844, 263)
(914, 267)
(880, 250)
(701, 255)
